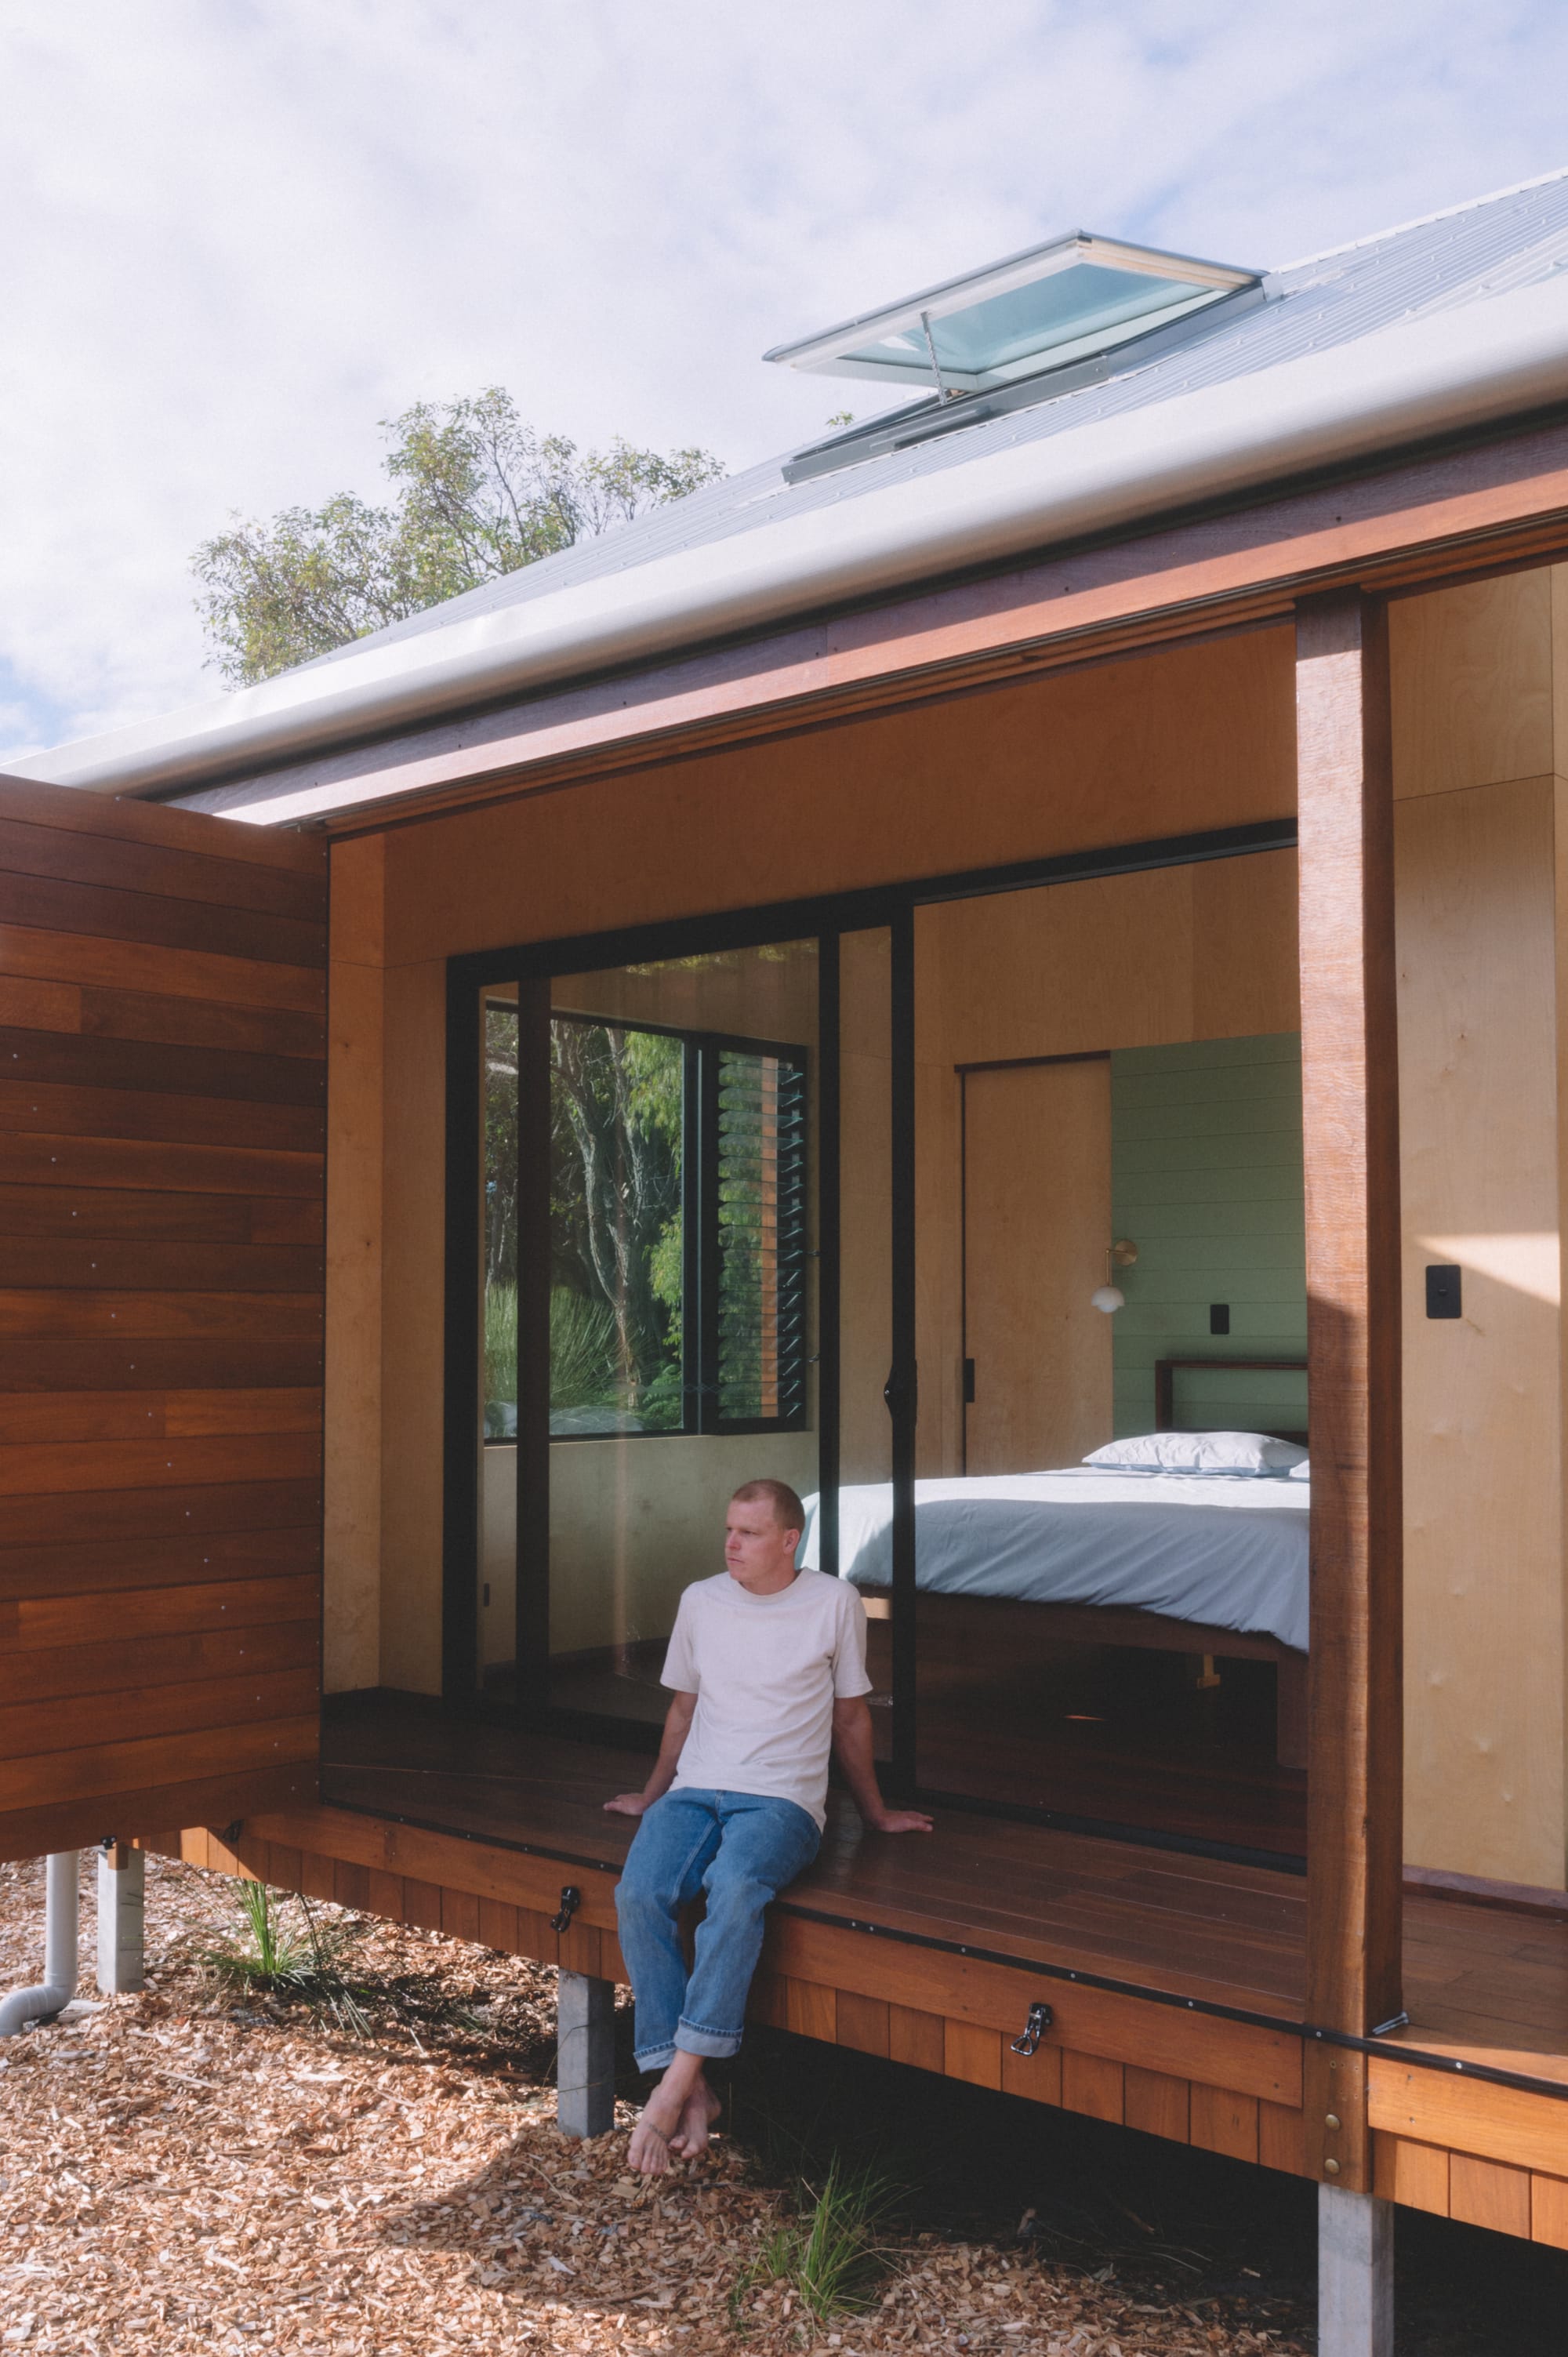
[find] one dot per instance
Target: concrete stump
(121, 1903)
(585, 2060)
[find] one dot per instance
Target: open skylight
(1076, 296)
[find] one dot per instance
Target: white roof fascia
(1468, 367)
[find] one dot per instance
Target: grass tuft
(832, 2253)
(301, 1963)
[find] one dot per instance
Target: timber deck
(1176, 1981)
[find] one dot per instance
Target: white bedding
(1208, 1547)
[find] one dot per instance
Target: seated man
(769, 1668)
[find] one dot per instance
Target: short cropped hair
(789, 1513)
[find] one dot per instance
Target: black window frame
(827, 917)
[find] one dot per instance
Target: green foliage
(476, 493)
(582, 1350)
(271, 1953)
(831, 2253)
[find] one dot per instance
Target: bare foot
(701, 2108)
(651, 2138)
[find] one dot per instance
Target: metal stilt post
(1355, 2274)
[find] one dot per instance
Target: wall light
(1109, 1297)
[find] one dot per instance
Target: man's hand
(900, 1821)
(628, 1804)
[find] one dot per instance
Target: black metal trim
(858, 911)
(461, 1340)
(903, 1385)
(1032, 1063)
(830, 1286)
(531, 1462)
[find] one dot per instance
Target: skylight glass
(1036, 310)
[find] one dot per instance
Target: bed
(1203, 1565)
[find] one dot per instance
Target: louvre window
(678, 1237)
(761, 1203)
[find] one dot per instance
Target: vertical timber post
(1350, 1111)
(584, 2054)
(121, 1910)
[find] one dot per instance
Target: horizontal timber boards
(77, 1821)
(56, 1587)
(43, 1624)
(218, 981)
(1237, 2055)
(147, 1217)
(837, 1986)
(162, 1127)
(1433, 516)
(190, 1363)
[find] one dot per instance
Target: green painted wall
(1206, 1180)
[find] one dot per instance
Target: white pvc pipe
(1482, 363)
(59, 1985)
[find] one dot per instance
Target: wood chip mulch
(185, 2171)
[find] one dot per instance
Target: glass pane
(858, 1521)
(683, 1235)
(1109, 1213)
(616, 1141)
(1007, 335)
(499, 1019)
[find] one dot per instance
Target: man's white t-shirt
(766, 1670)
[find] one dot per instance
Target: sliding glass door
(921, 1217)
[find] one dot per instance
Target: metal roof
(1498, 244)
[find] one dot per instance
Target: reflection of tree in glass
(615, 1113)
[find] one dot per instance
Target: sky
(239, 236)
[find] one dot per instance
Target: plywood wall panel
(414, 1210)
(1472, 684)
(352, 1535)
(1484, 1646)
(1182, 739)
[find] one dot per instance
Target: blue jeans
(738, 1847)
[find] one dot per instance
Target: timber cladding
(162, 1143)
(1227, 2086)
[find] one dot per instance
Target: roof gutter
(1477, 365)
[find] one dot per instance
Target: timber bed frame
(993, 1617)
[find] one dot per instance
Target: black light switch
(1442, 1290)
(1220, 1318)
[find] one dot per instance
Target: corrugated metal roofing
(1500, 242)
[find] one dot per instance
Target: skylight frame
(840, 351)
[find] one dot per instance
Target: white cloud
(237, 235)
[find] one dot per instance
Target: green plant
(268, 1952)
(831, 2253)
(582, 1350)
(500, 1352)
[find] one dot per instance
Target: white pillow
(1302, 1472)
(1250, 1453)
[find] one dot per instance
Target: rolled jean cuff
(657, 2057)
(716, 2044)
